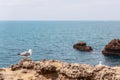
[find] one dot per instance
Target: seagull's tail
(18, 53)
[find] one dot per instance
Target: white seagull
(26, 53)
(100, 63)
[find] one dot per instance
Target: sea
(55, 39)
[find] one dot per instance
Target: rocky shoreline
(28, 69)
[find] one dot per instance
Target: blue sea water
(54, 40)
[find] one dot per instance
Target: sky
(59, 9)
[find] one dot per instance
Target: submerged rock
(82, 47)
(112, 48)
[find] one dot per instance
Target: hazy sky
(59, 9)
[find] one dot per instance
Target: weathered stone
(112, 48)
(76, 71)
(48, 69)
(82, 47)
(15, 67)
(25, 63)
(44, 67)
(81, 44)
(28, 65)
(104, 73)
(56, 70)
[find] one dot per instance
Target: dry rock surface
(28, 69)
(112, 48)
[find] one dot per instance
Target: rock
(20, 79)
(28, 65)
(15, 67)
(112, 48)
(1, 78)
(25, 63)
(81, 44)
(104, 73)
(24, 71)
(48, 69)
(44, 67)
(82, 47)
(77, 71)
(57, 70)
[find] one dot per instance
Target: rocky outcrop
(55, 70)
(25, 64)
(82, 47)
(77, 71)
(112, 48)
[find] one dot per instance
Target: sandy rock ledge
(28, 69)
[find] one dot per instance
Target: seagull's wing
(25, 53)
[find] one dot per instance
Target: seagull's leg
(28, 57)
(25, 58)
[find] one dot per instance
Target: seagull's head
(30, 51)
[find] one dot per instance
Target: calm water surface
(54, 40)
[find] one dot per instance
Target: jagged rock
(48, 69)
(81, 43)
(15, 67)
(56, 70)
(28, 64)
(25, 63)
(82, 47)
(1, 76)
(24, 71)
(20, 79)
(76, 71)
(104, 73)
(43, 68)
(112, 48)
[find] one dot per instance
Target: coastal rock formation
(77, 71)
(25, 64)
(55, 70)
(82, 47)
(112, 48)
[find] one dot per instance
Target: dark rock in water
(81, 44)
(112, 48)
(82, 47)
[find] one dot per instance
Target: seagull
(100, 63)
(26, 53)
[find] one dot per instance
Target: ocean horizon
(55, 40)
